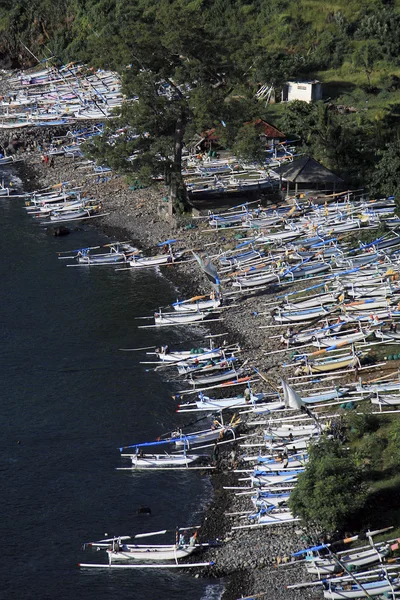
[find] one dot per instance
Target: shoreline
(247, 560)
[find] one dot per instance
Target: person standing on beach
(215, 453)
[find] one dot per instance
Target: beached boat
(187, 356)
(343, 362)
(307, 314)
(290, 431)
(180, 318)
(117, 253)
(207, 435)
(350, 559)
(155, 261)
(262, 477)
(272, 516)
(197, 304)
(379, 587)
(149, 461)
(151, 553)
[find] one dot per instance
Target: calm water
(69, 399)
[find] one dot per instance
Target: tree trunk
(176, 182)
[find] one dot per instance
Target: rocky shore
(251, 560)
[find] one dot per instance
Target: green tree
(365, 57)
(249, 145)
(330, 490)
(181, 79)
(384, 179)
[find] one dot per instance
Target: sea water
(69, 399)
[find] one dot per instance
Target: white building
(307, 91)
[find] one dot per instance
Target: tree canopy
(194, 64)
(330, 490)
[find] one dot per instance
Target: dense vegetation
(352, 482)
(213, 55)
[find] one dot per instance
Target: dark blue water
(69, 399)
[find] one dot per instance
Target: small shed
(307, 91)
(308, 173)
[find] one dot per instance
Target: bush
(330, 491)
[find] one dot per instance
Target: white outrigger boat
(149, 555)
(149, 461)
(181, 318)
(155, 261)
(362, 557)
(196, 304)
(334, 364)
(379, 587)
(289, 431)
(187, 356)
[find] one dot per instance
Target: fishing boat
(326, 396)
(198, 303)
(151, 461)
(119, 550)
(386, 400)
(350, 559)
(200, 367)
(156, 261)
(264, 499)
(151, 553)
(334, 364)
(300, 315)
(255, 280)
(260, 477)
(180, 318)
(290, 431)
(227, 375)
(207, 435)
(118, 252)
(207, 403)
(272, 516)
(187, 356)
(378, 587)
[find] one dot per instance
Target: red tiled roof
(268, 130)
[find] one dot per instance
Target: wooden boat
(227, 375)
(290, 431)
(149, 461)
(300, 315)
(272, 516)
(206, 403)
(255, 280)
(180, 318)
(311, 302)
(118, 253)
(156, 261)
(351, 559)
(199, 368)
(151, 553)
(386, 400)
(188, 356)
(330, 395)
(195, 305)
(205, 436)
(263, 499)
(338, 591)
(259, 478)
(344, 362)
(333, 342)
